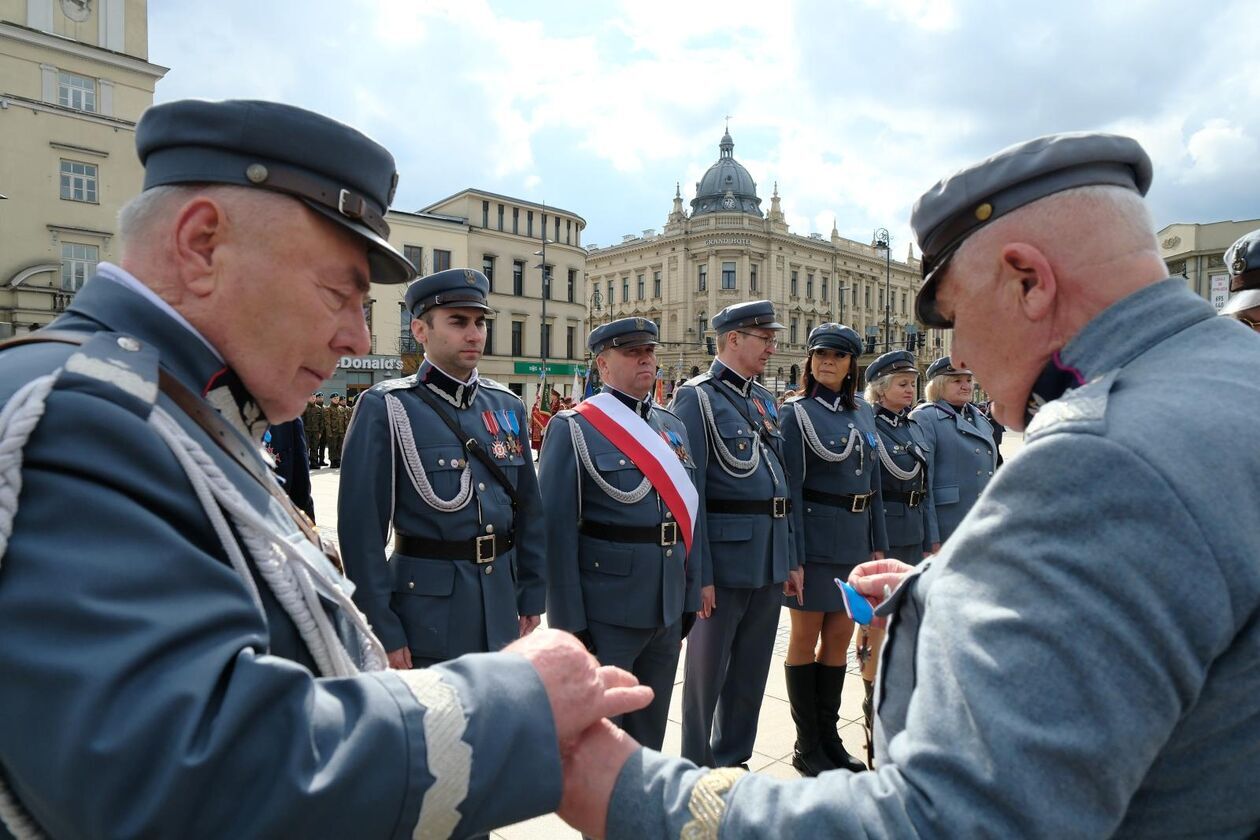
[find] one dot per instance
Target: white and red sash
(639, 442)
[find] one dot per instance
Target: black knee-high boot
(830, 683)
(808, 756)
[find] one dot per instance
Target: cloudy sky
(854, 107)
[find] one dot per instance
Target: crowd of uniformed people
(1070, 646)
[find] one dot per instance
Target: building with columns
(727, 249)
(74, 79)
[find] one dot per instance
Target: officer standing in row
(467, 572)
(906, 490)
(960, 447)
(338, 421)
(732, 423)
(313, 427)
(629, 582)
(1243, 261)
(180, 655)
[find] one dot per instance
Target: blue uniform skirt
(821, 592)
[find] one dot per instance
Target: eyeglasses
(1255, 325)
(772, 343)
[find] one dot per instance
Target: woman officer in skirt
(831, 447)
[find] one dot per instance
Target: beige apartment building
(74, 79)
(504, 238)
(1197, 253)
(727, 250)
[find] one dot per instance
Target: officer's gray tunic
(439, 608)
(629, 596)
(747, 557)
(906, 491)
(831, 452)
(1081, 658)
(961, 461)
(145, 695)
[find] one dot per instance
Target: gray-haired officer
(960, 448)
(733, 424)
(620, 467)
(180, 657)
(440, 458)
(1080, 658)
(1243, 261)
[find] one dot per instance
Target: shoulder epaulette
(127, 364)
(700, 379)
(487, 382)
(394, 384)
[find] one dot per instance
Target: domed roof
(726, 187)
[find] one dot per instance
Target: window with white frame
(78, 181)
(75, 91)
(78, 263)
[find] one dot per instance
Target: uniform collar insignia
(739, 384)
(1055, 380)
(892, 418)
(826, 397)
(641, 407)
(226, 392)
(458, 394)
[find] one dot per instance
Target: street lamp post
(882, 240)
(544, 333)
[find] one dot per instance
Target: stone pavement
(772, 751)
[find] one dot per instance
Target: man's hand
(795, 585)
(528, 623)
(877, 555)
(400, 660)
(591, 769)
(936, 548)
(580, 691)
(873, 578)
(708, 600)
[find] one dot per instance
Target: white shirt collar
(125, 278)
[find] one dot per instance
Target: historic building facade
(74, 79)
(506, 239)
(1197, 253)
(727, 250)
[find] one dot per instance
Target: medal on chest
(512, 428)
(674, 441)
(498, 448)
(769, 415)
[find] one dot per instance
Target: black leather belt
(477, 550)
(665, 534)
(912, 499)
(854, 502)
(778, 507)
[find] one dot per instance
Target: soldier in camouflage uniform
(313, 424)
(338, 419)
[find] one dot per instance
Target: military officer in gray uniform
(627, 584)
(180, 656)
(1080, 658)
(1243, 261)
(732, 423)
(962, 454)
(439, 458)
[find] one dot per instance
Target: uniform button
(457, 463)
(831, 443)
(978, 472)
(669, 552)
(622, 462)
(850, 425)
(489, 569)
(481, 485)
(411, 584)
(990, 472)
(809, 510)
(126, 342)
(669, 515)
(977, 451)
(597, 564)
(490, 528)
(442, 462)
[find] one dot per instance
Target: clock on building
(76, 10)
(728, 203)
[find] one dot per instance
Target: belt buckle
(669, 533)
(916, 496)
(482, 558)
(778, 507)
(859, 503)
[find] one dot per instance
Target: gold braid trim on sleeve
(707, 804)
